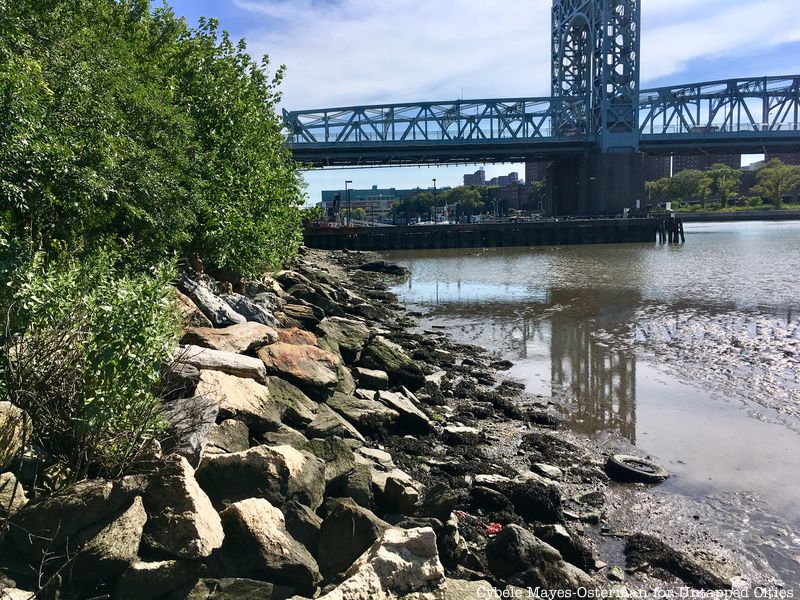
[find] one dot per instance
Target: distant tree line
(774, 181)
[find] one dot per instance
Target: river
(690, 352)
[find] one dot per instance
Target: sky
(351, 52)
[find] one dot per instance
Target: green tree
(775, 180)
(689, 184)
(725, 181)
(120, 121)
(467, 199)
(657, 190)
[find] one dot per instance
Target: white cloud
(347, 52)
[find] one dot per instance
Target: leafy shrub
(83, 351)
(119, 120)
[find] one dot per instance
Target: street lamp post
(349, 207)
(434, 201)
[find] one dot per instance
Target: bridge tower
(595, 68)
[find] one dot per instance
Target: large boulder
(156, 580)
(214, 308)
(110, 552)
(277, 473)
(295, 335)
(190, 420)
(241, 338)
(14, 426)
(310, 368)
(410, 416)
(231, 363)
(227, 437)
(318, 296)
(371, 379)
(382, 355)
(183, 522)
(535, 498)
(382, 266)
(256, 312)
(402, 563)
(303, 313)
(12, 496)
(72, 516)
(328, 423)
(303, 524)
(347, 337)
(517, 556)
(337, 454)
(368, 416)
(346, 533)
(262, 406)
(258, 545)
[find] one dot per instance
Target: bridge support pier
(595, 183)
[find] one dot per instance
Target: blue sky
(345, 52)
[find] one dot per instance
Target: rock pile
(315, 448)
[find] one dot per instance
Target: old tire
(627, 468)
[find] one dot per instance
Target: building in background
(503, 180)
(507, 197)
(536, 171)
(703, 162)
(478, 178)
(376, 202)
(656, 167)
(787, 158)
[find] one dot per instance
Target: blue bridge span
(595, 126)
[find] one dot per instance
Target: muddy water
(692, 353)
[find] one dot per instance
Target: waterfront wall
(750, 215)
(490, 235)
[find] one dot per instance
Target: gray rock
(410, 416)
(535, 498)
(238, 589)
(403, 563)
(214, 308)
(284, 436)
(190, 314)
(73, 515)
(347, 336)
(457, 589)
(318, 296)
(251, 310)
(303, 313)
(190, 421)
(179, 380)
(572, 548)
(337, 455)
(183, 522)
(400, 497)
(241, 338)
(356, 485)
(277, 473)
(371, 379)
(14, 424)
(109, 553)
(382, 266)
(231, 363)
(258, 545)
(460, 435)
(439, 501)
(368, 416)
(345, 384)
(156, 580)
(262, 406)
(329, 423)
(519, 557)
(383, 355)
(303, 524)
(227, 437)
(346, 533)
(12, 496)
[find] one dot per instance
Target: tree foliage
(725, 181)
(775, 180)
(118, 120)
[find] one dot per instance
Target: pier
(486, 235)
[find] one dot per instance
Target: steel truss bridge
(737, 116)
(594, 126)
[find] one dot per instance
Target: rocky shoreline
(318, 448)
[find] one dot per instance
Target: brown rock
(297, 336)
(310, 368)
(182, 523)
(240, 338)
